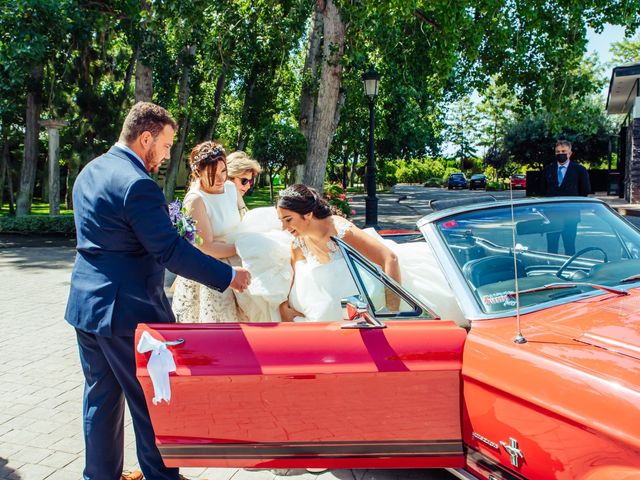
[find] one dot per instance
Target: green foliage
(418, 170)
(38, 224)
(626, 51)
(531, 140)
(277, 146)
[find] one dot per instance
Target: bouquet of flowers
(184, 223)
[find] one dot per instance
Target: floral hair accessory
(207, 155)
(184, 223)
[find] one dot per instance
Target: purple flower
(183, 223)
(175, 211)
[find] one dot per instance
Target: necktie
(561, 169)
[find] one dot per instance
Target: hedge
(30, 224)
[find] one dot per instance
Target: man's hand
(241, 280)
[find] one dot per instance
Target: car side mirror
(357, 314)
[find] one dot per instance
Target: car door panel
(310, 394)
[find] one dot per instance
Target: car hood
(607, 322)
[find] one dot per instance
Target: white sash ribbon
(160, 364)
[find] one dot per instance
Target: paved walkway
(40, 377)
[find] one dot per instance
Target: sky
(600, 43)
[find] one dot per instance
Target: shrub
(30, 224)
(434, 182)
(336, 195)
(493, 186)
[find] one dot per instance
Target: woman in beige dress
(213, 203)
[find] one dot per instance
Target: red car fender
(612, 471)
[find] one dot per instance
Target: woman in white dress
(213, 202)
(320, 274)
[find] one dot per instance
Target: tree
(278, 146)
(626, 51)
(326, 113)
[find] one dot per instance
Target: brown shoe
(135, 475)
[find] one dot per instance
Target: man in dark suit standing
(564, 178)
(125, 240)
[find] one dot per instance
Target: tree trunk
(217, 104)
(144, 82)
(4, 161)
(310, 74)
(310, 82)
(183, 124)
(31, 141)
(133, 62)
(328, 103)
(144, 73)
(73, 168)
(354, 168)
(243, 134)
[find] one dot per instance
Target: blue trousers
(109, 370)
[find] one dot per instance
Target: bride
(320, 274)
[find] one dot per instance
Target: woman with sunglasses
(212, 201)
(242, 171)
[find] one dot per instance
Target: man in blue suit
(124, 242)
(564, 178)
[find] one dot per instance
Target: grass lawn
(260, 197)
(37, 208)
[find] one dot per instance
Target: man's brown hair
(145, 117)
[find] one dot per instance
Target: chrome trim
(174, 343)
(450, 212)
(512, 449)
(375, 270)
(461, 474)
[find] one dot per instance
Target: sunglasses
(245, 181)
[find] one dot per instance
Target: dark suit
(575, 183)
(125, 241)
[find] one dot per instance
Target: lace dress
(318, 287)
(192, 301)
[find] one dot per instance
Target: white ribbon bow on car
(160, 364)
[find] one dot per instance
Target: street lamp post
(370, 79)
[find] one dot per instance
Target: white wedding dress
(318, 287)
(316, 290)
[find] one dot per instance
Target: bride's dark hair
(302, 199)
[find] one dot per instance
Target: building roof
(623, 88)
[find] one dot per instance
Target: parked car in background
(457, 180)
(479, 180)
(505, 360)
(518, 181)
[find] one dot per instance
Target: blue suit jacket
(575, 181)
(125, 241)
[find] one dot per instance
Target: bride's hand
(287, 313)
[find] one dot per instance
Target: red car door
(335, 395)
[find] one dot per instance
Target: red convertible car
(533, 372)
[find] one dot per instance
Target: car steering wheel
(573, 257)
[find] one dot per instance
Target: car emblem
(513, 450)
(485, 440)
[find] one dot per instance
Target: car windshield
(573, 242)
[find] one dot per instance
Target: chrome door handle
(173, 343)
